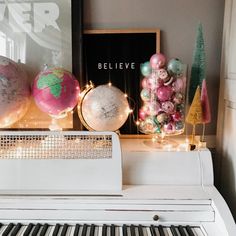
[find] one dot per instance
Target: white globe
(104, 108)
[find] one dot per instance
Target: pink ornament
(151, 108)
(151, 83)
(144, 83)
(176, 116)
(179, 85)
(142, 114)
(164, 93)
(169, 128)
(168, 107)
(157, 61)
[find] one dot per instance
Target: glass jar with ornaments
(162, 93)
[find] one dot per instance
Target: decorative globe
(55, 91)
(104, 108)
(14, 92)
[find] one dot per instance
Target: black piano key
(161, 231)
(173, 230)
(113, 230)
(84, 230)
(44, 230)
(124, 230)
(64, 230)
(181, 230)
(92, 230)
(8, 229)
(104, 230)
(132, 230)
(56, 230)
(36, 229)
(189, 230)
(140, 230)
(76, 232)
(16, 229)
(153, 232)
(28, 229)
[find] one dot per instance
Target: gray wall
(177, 21)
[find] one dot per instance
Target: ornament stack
(163, 96)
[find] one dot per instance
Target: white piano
(93, 184)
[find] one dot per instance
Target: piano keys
(95, 184)
(18, 229)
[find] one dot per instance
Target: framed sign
(115, 56)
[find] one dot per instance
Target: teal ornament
(148, 126)
(179, 125)
(145, 95)
(175, 67)
(145, 68)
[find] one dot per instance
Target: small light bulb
(109, 84)
(137, 122)
(125, 95)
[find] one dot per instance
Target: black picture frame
(115, 56)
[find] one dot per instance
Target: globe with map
(103, 108)
(14, 92)
(55, 91)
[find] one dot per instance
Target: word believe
(29, 16)
(116, 66)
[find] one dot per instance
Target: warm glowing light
(109, 84)
(130, 111)
(137, 122)
(125, 95)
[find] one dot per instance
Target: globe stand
(161, 142)
(54, 126)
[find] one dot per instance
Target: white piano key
(128, 231)
(136, 231)
(88, 230)
(117, 231)
(177, 230)
(99, 231)
(169, 233)
(148, 231)
(96, 230)
(120, 231)
(108, 231)
(185, 231)
(157, 231)
(22, 230)
(144, 231)
(2, 229)
(198, 231)
(72, 230)
(50, 230)
(68, 232)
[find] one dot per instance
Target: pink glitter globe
(55, 91)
